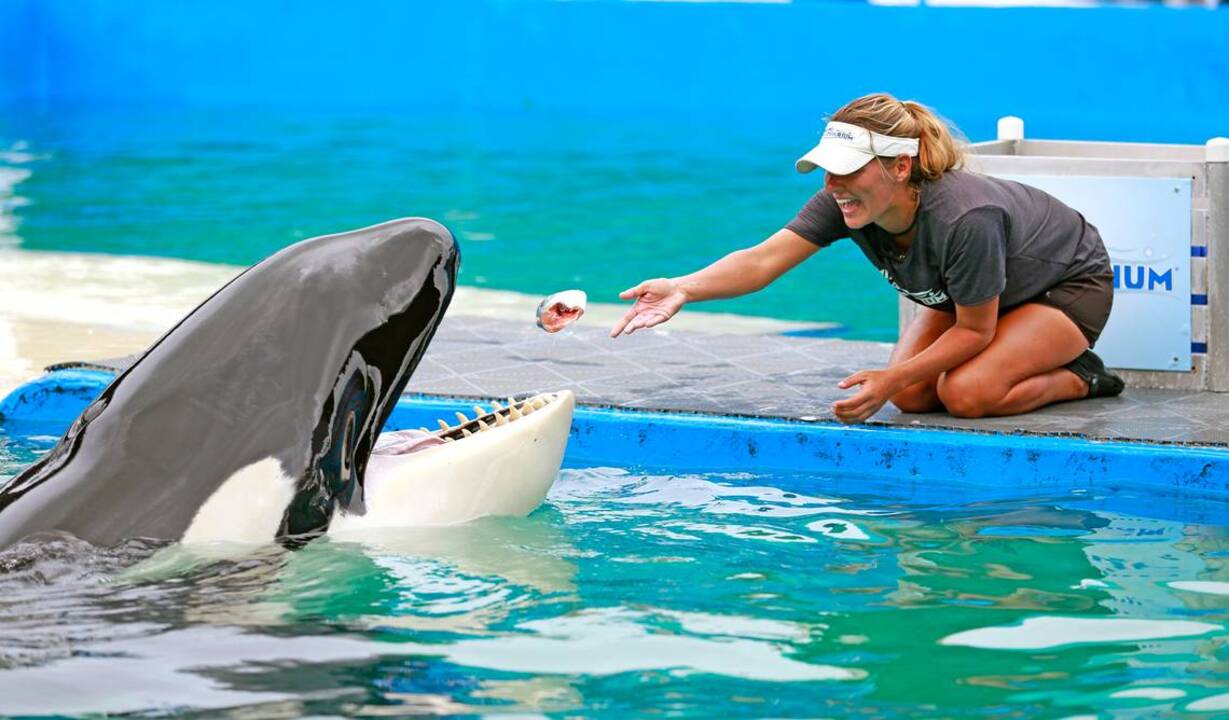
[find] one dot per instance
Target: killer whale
(274, 390)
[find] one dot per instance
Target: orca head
(365, 383)
(254, 417)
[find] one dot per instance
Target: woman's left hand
(878, 386)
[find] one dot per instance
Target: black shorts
(1086, 300)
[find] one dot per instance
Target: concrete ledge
(823, 454)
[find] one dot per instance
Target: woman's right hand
(656, 302)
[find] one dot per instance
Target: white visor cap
(845, 148)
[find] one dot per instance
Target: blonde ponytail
(938, 147)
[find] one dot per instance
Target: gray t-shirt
(977, 237)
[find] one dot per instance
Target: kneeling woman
(1014, 286)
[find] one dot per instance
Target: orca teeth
(499, 415)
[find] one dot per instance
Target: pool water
(540, 201)
(633, 591)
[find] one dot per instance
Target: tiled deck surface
(758, 375)
(761, 375)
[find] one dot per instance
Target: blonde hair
(939, 143)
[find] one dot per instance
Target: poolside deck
(771, 376)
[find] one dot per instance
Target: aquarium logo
(1142, 277)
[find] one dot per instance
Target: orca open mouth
(502, 461)
(498, 416)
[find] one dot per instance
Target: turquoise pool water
(634, 591)
(540, 201)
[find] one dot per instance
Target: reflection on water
(715, 595)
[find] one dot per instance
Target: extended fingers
(623, 321)
(856, 379)
(635, 291)
(645, 319)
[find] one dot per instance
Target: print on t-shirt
(926, 297)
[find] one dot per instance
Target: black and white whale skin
(264, 403)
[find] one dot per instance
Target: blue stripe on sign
(1199, 299)
(1199, 251)
(1201, 348)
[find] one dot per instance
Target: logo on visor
(838, 133)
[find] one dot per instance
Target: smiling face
(877, 193)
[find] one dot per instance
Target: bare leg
(926, 327)
(1021, 369)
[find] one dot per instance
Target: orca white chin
(502, 462)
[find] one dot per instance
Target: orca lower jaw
(502, 462)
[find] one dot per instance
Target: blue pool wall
(1189, 484)
(1147, 73)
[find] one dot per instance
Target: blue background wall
(18, 30)
(1145, 73)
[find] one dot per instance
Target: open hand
(656, 302)
(877, 387)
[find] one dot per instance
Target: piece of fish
(561, 309)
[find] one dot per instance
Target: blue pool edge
(686, 442)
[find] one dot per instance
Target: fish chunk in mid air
(561, 309)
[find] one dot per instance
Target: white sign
(1146, 226)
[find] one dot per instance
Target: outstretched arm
(739, 273)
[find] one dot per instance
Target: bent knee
(920, 398)
(966, 396)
